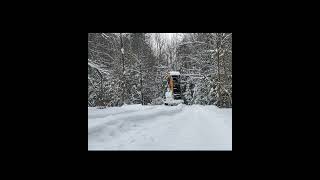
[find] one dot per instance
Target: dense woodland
(129, 68)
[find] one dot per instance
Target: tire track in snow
(143, 136)
(194, 128)
(179, 133)
(212, 133)
(124, 121)
(103, 115)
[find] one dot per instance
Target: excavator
(173, 92)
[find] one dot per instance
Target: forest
(129, 68)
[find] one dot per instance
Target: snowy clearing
(159, 127)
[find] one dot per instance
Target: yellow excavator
(173, 93)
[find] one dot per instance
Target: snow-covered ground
(159, 127)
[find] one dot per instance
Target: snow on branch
(95, 66)
(225, 37)
(134, 70)
(194, 42)
(105, 36)
(101, 53)
(210, 50)
(197, 75)
(161, 67)
(195, 59)
(225, 90)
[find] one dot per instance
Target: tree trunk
(219, 80)
(226, 79)
(224, 69)
(123, 77)
(100, 94)
(142, 100)
(140, 70)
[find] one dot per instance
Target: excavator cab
(173, 93)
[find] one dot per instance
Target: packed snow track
(159, 127)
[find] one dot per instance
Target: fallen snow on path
(182, 127)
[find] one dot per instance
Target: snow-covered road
(136, 127)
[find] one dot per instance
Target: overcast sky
(167, 36)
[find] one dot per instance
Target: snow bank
(94, 112)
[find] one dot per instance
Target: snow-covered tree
(188, 95)
(207, 56)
